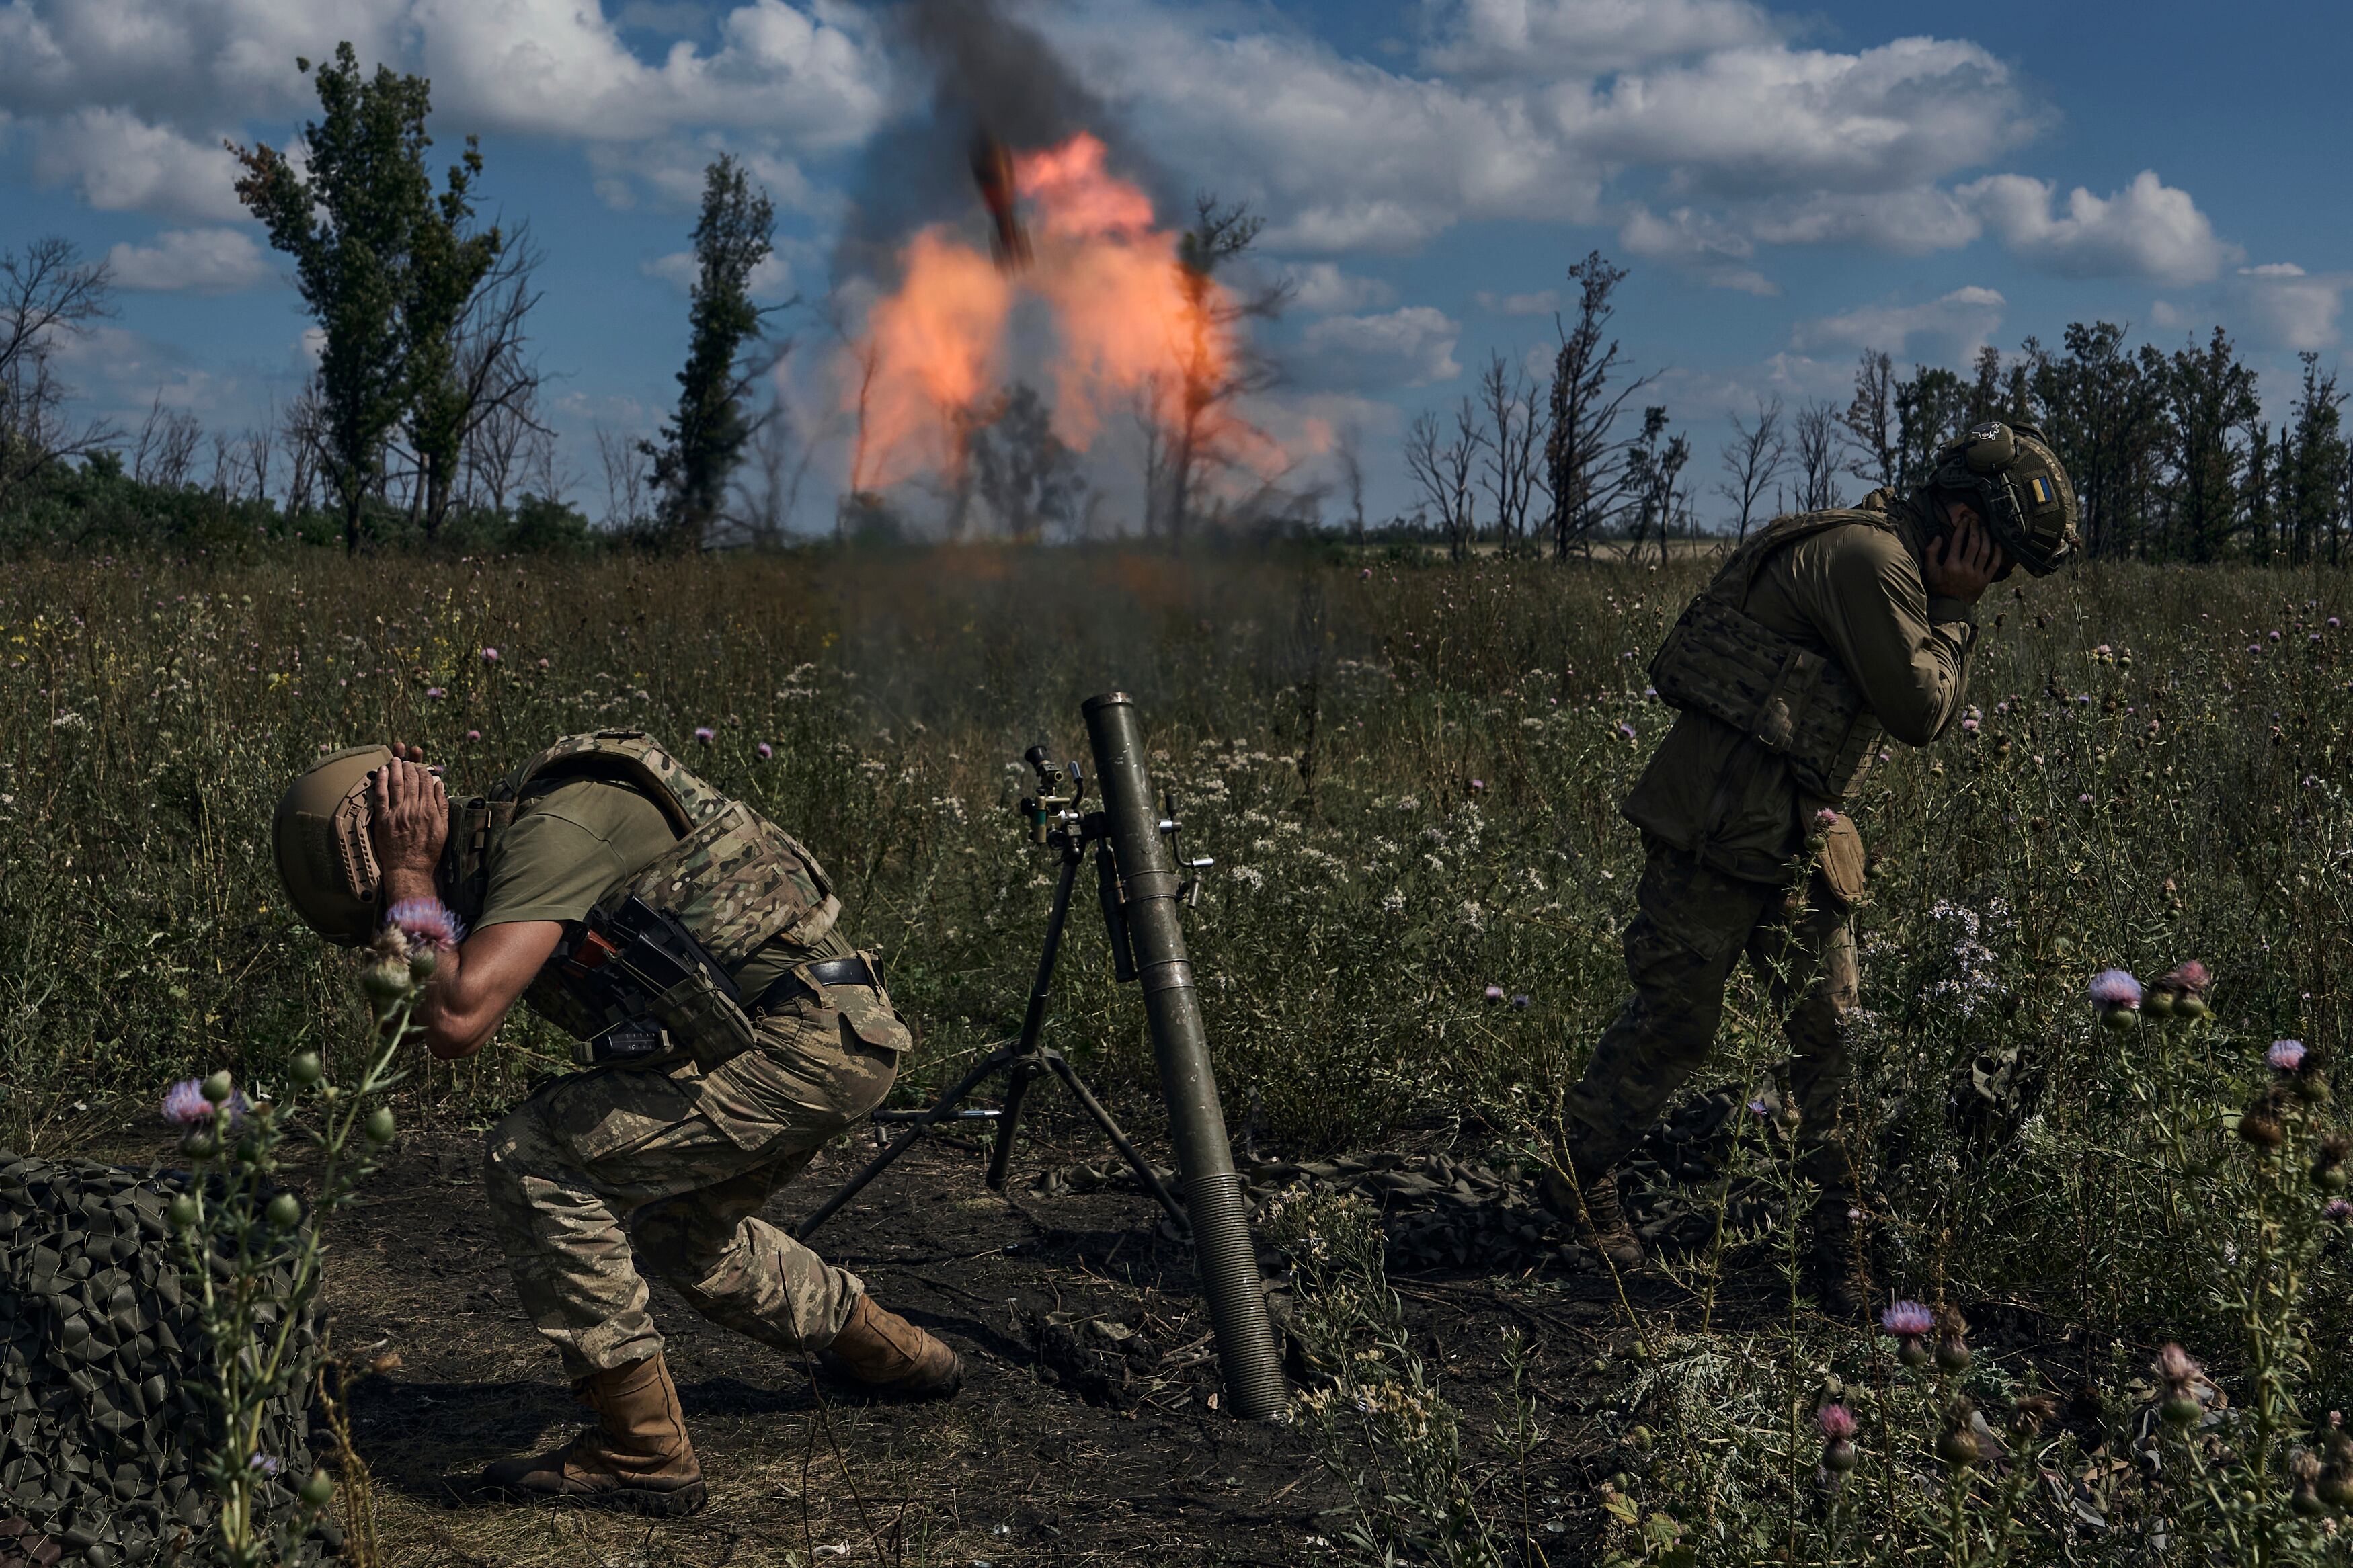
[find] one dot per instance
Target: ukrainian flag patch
(2039, 488)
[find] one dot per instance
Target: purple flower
(1495, 993)
(1969, 726)
(2083, 800)
(1826, 818)
(2190, 978)
(1907, 1320)
(2275, 636)
(267, 1464)
(436, 693)
(2174, 1365)
(2115, 988)
(489, 656)
(766, 751)
(2334, 623)
(426, 922)
(2338, 1210)
(1757, 1107)
(1522, 1000)
(1836, 1421)
(704, 733)
(473, 734)
(1626, 729)
(2102, 649)
(1478, 784)
(543, 664)
(184, 1104)
(2286, 1054)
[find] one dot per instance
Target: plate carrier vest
(1720, 660)
(733, 879)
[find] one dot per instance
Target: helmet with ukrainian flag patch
(2008, 471)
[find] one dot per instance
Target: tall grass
(1408, 774)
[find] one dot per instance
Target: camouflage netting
(102, 1420)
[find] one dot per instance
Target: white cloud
(2164, 313)
(1412, 346)
(1962, 320)
(2149, 229)
(1320, 286)
(2290, 307)
(1542, 302)
(1907, 223)
(1547, 37)
(191, 261)
(122, 163)
(771, 279)
(1699, 245)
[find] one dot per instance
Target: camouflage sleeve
(1909, 654)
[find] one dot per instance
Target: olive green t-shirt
(569, 848)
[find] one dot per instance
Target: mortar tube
(1246, 1353)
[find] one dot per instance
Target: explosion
(1129, 317)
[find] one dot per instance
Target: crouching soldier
(1821, 634)
(724, 1030)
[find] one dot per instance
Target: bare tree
(625, 480)
(496, 381)
(165, 453)
(1815, 434)
(1584, 465)
(1348, 456)
(260, 447)
(1754, 459)
(48, 294)
(766, 500)
(1214, 366)
(1509, 474)
(300, 432)
(1442, 468)
(1870, 421)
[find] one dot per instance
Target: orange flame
(1128, 319)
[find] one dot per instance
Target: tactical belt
(851, 971)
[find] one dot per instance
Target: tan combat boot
(882, 1352)
(1594, 1204)
(636, 1458)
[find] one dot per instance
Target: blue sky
(1787, 186)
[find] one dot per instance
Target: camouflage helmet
(320, 836)
(2015, 482)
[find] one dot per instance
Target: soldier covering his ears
(725, 1031)
(1821, 634)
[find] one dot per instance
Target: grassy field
(1409, 777)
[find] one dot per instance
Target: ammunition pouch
(648, 993)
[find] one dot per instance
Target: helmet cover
(2013, 480)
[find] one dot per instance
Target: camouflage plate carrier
(1722, 662)
(733, 879)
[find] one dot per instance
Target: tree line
(2170, 453)
(426, 402)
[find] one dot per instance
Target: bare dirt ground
(1084, 1434)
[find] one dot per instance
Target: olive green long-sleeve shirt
(1855, 594)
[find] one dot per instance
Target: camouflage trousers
(602, 1172)
(1692, 924)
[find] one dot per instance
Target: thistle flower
(1909, 1321)
(2286, 1054)
(704, 733)
(1478, 784)
(2336, 1211)
(489, 656)
(436, 693)
(2189, 979)
(426, 922)
(1958, 1445)
(1826, 818)
(1953, 1351)
(764, 750)
(1626, 729)
(184, 1104)
(2030, 1413)
(543, 664)
(1522, 1000)
(1836, 1421)
(472, 736)
(1495, 993)
(2117, 996)
(269, 1465)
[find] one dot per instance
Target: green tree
(2104, 412)
(2209, 396)
(1931, 407)
(2312, 462)
(350, 219)
(445, 265)
(702, 442)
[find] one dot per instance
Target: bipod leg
(994, 1062)
(1025, 1072)
(1084, 1096)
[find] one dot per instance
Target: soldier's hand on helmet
(1963, 564)
(408, 814)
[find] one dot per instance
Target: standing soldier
(1821, 633)
(724, 1029)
